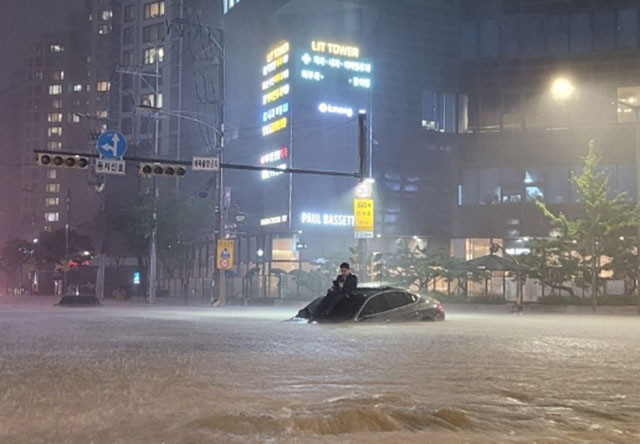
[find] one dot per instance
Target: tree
(551, 262)
(14, 255)
(52, 247)
(180, 224)
(600, 224)
(132, 219)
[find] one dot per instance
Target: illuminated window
(52, 174)
(106, 14)
(56, 47)
(54, 131)
(630, 95)
(153, 32)
(149, 55)
(55, 90)
(73, 117)
(102, 114)
(105, 28)
(56, 103)
(57, 75)
(54, 145)
(154, 9)
(52, 217)
(54, 117)
(228, 4)
(51, 201)
(52, 188)
(150, 100)
(103, 86)
(77, 87)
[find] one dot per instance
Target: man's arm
(350, 284)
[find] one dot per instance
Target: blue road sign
(112, 145)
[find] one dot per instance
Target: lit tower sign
(327, 83)
(275, 90)
(275, 119)
(326, 61)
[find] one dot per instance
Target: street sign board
(224, 254)
(363, 211)
(205, 164)
(112, 145)
(108, 166)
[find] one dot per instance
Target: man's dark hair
(345, 265)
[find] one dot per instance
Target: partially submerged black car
(378, 304)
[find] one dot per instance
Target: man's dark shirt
(350, 283)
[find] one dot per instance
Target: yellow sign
(335, 49)
(363, 211)
(279, 51)
(224, 254)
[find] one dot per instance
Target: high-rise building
(298, 74)
(169, 73)
(66, 102)
(522, 144)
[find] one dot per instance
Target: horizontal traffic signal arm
(63, 161)
(187, 163)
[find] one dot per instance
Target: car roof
(371, 290)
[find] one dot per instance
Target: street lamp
(562, 89)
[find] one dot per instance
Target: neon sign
(272, 81)
(276, 111)
(274, 127)
(335, 63)
(276, 94)
(335, 49)
(274, 156)
(325, 108)
(277, 63)
(268, 174)
(274, 220)
(312, 75)
(360, 82)
(279, 51)
(336, 220)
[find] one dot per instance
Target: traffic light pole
(153, 255)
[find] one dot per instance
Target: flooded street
(131, 374)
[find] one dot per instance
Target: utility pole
(65, 270)
(153, 255)
(219, 277)
(637, 110)
(363, 137)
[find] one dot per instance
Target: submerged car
(378, 304)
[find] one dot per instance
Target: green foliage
(14, 254)
(422, 267)
(180, 224)
(599, 230)
(132, 218)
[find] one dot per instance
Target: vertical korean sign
(224, 254)
(363, 210)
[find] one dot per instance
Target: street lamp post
(563, 89)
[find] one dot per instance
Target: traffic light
(62, 161)
(356, 256)
(161, 169)
(377, 266)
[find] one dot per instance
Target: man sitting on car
(343, 286)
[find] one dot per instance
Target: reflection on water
(244, 376)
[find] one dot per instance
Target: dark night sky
(24, 20)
